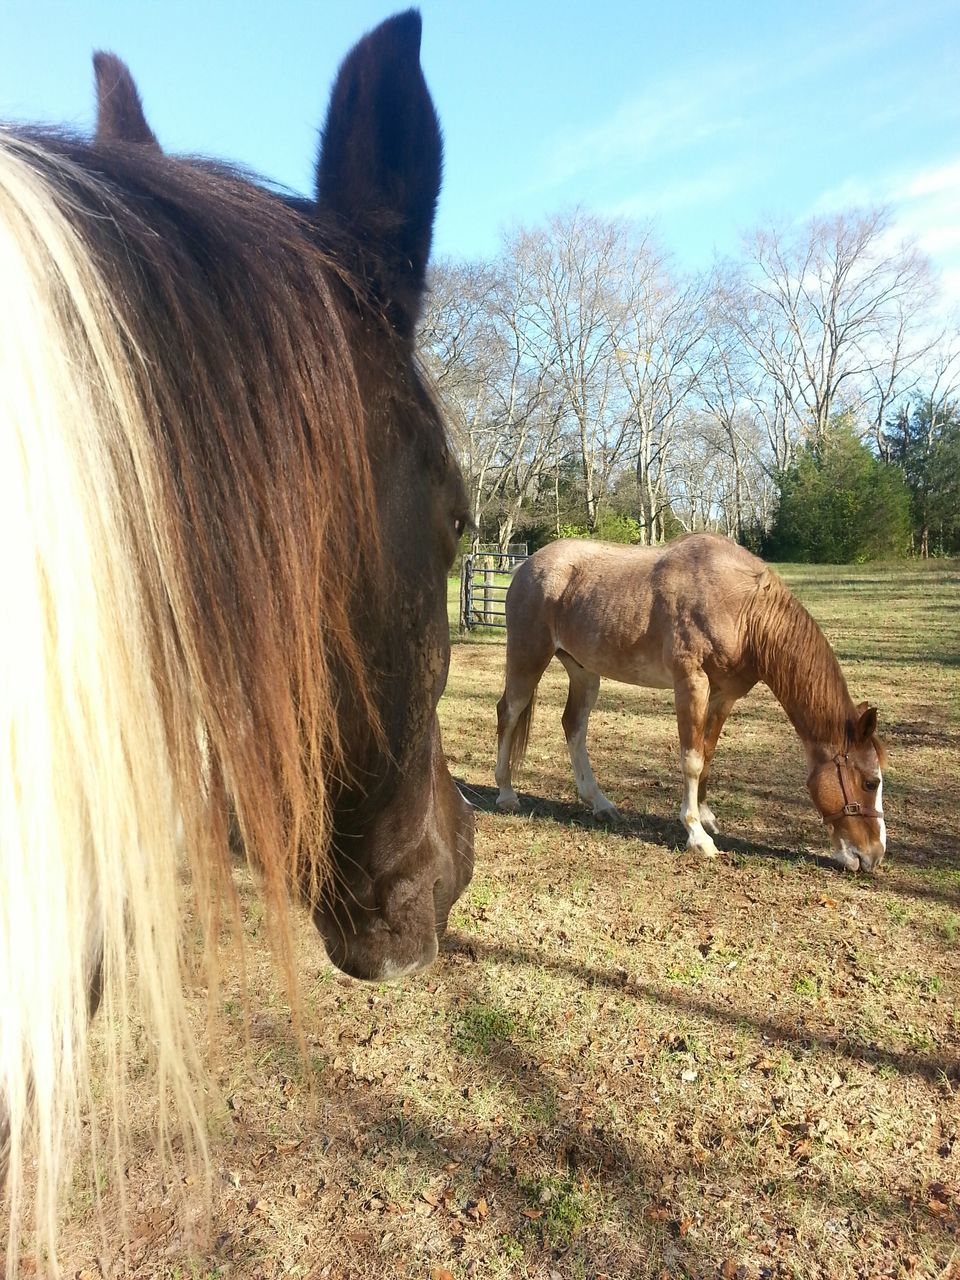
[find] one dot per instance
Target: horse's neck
(792, 657)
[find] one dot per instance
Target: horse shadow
(651, 828)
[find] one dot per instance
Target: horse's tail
(97, 729)
(521, 735)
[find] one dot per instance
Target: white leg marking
(691, 762)
(587, 788)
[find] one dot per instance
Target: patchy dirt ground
(627, 1062)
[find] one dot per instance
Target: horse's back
(635, 613)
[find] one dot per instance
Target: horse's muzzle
(401, 882)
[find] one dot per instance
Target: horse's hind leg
(581, 699)
(691, 693)
(514, 715)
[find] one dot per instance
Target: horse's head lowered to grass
(228, 511)
(847, 789)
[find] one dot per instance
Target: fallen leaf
(533, 1213)
(431, 1198)
(478, 1210)
(938, 1202)
(685, 1225)
(729, 1270)
(440, 1273)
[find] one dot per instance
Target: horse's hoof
(708, 821)
(705, 848)
(508, 804)
(610, 814)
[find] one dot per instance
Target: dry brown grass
(627, 1062)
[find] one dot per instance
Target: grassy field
(627, 1062)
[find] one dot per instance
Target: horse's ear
(380, 163)
(120, 115)
(867, 724)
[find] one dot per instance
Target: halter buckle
(849, 810)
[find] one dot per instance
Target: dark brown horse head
(402, 834)
(231, 510)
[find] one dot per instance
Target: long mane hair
(794, 659)
(185, 508)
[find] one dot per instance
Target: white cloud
(635, 134)
(671, 197)
(925, 207)
(943, 178)
(675, 113)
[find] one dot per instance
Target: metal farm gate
(484, 579)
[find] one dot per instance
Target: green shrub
(839, 504)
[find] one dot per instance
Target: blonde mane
(180, 514)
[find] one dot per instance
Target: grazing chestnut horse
(227, 513)
(705, 618)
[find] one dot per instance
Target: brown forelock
(792, 656)
(265, 528)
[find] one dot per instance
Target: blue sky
(709, 118)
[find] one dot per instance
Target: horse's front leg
(581, 699)
(720, 706)
(691, 692)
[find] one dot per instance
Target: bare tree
(580, 345)
(459, 349)
(832, 314)
(573, 312)
(736, 419)
(659, 358)
(498, 393)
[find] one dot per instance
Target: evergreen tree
(925, 443)
(839, 504)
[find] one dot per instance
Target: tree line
(799, 398)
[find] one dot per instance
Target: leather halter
(851, 808)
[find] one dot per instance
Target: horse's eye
(460, 524)
(872, 784)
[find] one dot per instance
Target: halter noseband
(851, 808)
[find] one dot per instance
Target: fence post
(482, 595)
(488, 612)
(466, 590)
